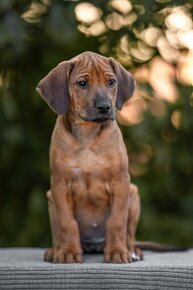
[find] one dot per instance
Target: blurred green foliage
(34, 37)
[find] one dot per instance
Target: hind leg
(133, 218)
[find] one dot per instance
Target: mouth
(96, 118)
(100, 120)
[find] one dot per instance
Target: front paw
(57, 255)
(117, 256)
(49, 254)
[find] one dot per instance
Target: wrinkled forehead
(92, 67)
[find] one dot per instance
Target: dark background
(152, 39)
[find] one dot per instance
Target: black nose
(103, 107)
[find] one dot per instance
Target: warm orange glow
(185, 71)
(186, 38)
(87, 13)
(151, 35)
(179, 20)
(115, 21)
(169, 53)
(35, 11)
(123, 6)
(157, 107)
(90, 19)
(124, 44)
(176, 119)
(162, 78)
(159, 72)
(130, 18)
(95, 29)
(123, 58)
(132, 111)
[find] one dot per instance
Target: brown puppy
(92, 204)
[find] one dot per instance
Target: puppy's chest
(88, 162)
(88, 179)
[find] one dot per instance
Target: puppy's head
(89, 85)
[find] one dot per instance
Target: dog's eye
(82, 84)
(112, 82)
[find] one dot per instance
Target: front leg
(65, 233)
(133, 218)
(116, 250)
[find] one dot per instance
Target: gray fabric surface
(25, 269)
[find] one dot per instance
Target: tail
(157, 247)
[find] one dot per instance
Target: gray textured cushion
(25, 269)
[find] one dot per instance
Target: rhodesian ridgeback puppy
(93, 207)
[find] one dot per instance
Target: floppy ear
(54, 88)
(126, 83)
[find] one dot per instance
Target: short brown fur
(93, 207)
